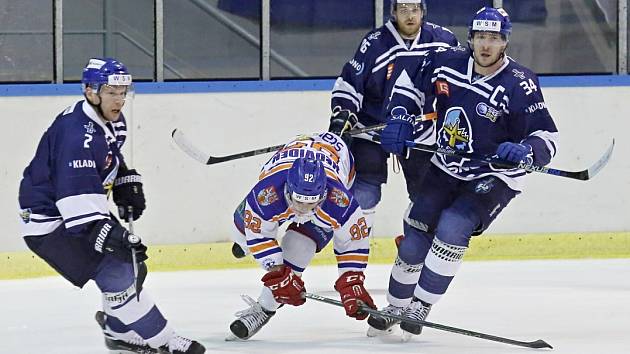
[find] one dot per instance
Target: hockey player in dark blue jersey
(66, 220)
(489, 104)
(360, 91)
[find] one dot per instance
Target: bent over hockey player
(66, 221)
(361, 91)
(489, 104)
(306, 184)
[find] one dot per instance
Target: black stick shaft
(534, 344)
(583, 175)
(202, 157)
(134, 259)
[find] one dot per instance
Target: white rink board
(579, 307)
(192, 203)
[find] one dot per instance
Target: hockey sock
(440, 267)
(408, 265)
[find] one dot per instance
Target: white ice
(579, 307)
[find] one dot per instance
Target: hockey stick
(534, 344)
(134, 258)
(191, 150)
(582, 175)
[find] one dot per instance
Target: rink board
(19, 265)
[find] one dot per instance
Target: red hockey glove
(286, 286)
(353, 294)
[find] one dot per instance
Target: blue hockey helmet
(489, 19)
(306, 180)
(395, 3)
(105, 71)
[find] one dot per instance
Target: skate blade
(232, 338)
(373, 332)
(406, 336)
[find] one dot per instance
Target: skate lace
(179, 343)
(392, 310)
(136, 340)
(254, 316)
(417, 311)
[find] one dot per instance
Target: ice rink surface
(578, 306)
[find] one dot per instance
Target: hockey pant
(438, 227)
(371, 173)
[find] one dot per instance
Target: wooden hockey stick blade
(186, 146)
(603, 161)
(582, 175)
(191, 150)
(533, 344)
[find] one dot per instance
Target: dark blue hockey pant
(452, 211)
(371, 168)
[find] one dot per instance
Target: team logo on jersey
(357, 66)
(455, 134)
(535, 107)
(390, 70)
(442, 88)
(458, 49)
(89, 128)
(82, 164)
(374, 35)
(267, 196)
(268, 264)
(339, 197)
(519, 74)
(484, 186)
(486, 111)
(25, 215)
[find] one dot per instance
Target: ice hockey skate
(249, 321)
(417, 310)
(180, 345)
(133, 343)
(381, 325)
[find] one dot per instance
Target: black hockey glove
(128, 193)
(109, 237)
(341, 121)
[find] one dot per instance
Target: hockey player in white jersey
(305, 184)
(66, 220)
(489, 104)
(361, 91)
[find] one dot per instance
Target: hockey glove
(128, 193)
(353, 294)
(341, 121)
(398, 130)
(516, 153)
(286, 286)
(109, 237)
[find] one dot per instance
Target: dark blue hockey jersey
(361, 88)
(73, 170)
(478, 114)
